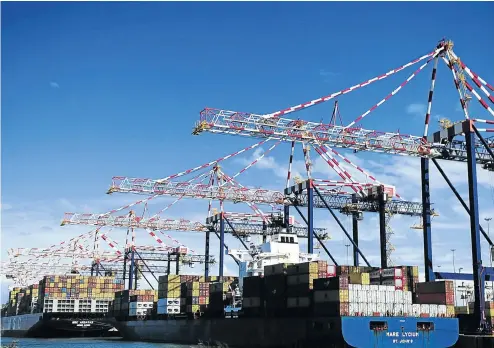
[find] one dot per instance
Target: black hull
(56, 326)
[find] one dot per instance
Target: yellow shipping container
(192, 308)
(195, 292)
(362, 278)
(344, 296)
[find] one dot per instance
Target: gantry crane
(443, 144)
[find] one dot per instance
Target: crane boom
(242, 226)
(358, 139)
(341, 202)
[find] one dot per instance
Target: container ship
(61, 306)
(283, 298)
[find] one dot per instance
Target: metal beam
(450, 184)
(146, 265)
(460, 276)
(359, 139)
(426, 219)
(382, 229)
(206, 268)
(235, 234)
(355, 232)
(222, 246)
(346, 205)
(310, 219)
(478, 277)
(341, 226)
(317, 237)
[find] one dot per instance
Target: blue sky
(93, 90)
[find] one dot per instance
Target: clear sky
(93, 90)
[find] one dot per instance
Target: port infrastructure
(460, 142)
(347, 195)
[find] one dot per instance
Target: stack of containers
(253, 299)
(401, 277)
(218, 296)
(194, 297)
(121, 304)
(330, 296)
(141, 305)
(299, 281)
(436, 298)
(275, 298)
(80, 287)
(489, 311)
(168, 295)
(361, 300)
(12, 305)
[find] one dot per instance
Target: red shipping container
(437, 298)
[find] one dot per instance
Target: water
(85, 343)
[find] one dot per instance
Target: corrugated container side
(435, 287)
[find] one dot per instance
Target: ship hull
(295, 332)
(41, 325)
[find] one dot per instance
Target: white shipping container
(399, 296)
(353, 308)
(365, 287)
(371, 309)
(409, 309)
(424, 309)
(441, 310)
(381, 308)
(382, 287)
(398, 309)
(173, 309)
(362, 308)
(374, 287)
(372, 298)
(351, 296)
(363, 296)
(416, 310)
(390, 297)
(331, 270)
(433, 310)
(291, 302)
(357, 287)
(389, 309)
(381, 296)
(408, 297)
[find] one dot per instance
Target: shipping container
(435, 298)
(333, 283)
(445, 286)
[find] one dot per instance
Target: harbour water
(85, 343)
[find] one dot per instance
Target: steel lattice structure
(242, 224)
(341, 202)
